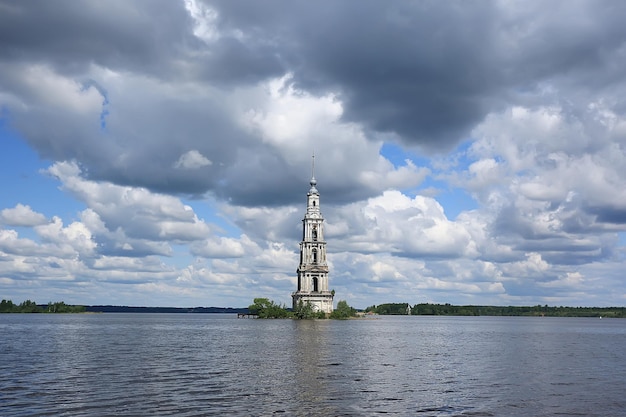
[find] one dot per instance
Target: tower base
(319, 301)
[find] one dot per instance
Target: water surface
(208, 364)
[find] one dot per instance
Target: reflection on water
(199, 365)
(312, 388)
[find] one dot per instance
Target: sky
(159, 152)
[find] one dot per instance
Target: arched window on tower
(315, 234)
(315, 284)
(314, 253)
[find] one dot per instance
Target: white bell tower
(313, 268)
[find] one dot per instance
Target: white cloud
(225, 247)
(286, 113)
(21, 215)
(484, 173)
(295, 123)
(204, 20)
(573, 280)
(139, 212)
(48, 88)
(385, 271)
(11, 243)
(132, 265)
(76, 235)
(395, 223)
(192, 160)
(533, 265)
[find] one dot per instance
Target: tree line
(28, 306)
(426, 309)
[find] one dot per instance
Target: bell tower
(313, 268)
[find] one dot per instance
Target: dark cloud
(426, 81)
(231, 62)
(280, 183)
(142, 35)
(609, 214)
(429, 71)
(419, 70)
(511, 221)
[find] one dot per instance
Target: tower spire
(313, 180)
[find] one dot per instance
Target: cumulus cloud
(225, 247)
(403, 226)
(137, 211)
(558, 185)
(21, 215)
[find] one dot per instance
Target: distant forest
(127, 309)
(424, 309)
(472, 310)
(28, 306)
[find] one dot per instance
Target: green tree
(6, 306)
(389, 308)
(264, 308)
(29, 306)
(343, 311)
(61, 307)
(259, 305)
(304, 310)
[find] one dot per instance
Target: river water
(219, 365)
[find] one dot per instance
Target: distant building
(313, 268)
